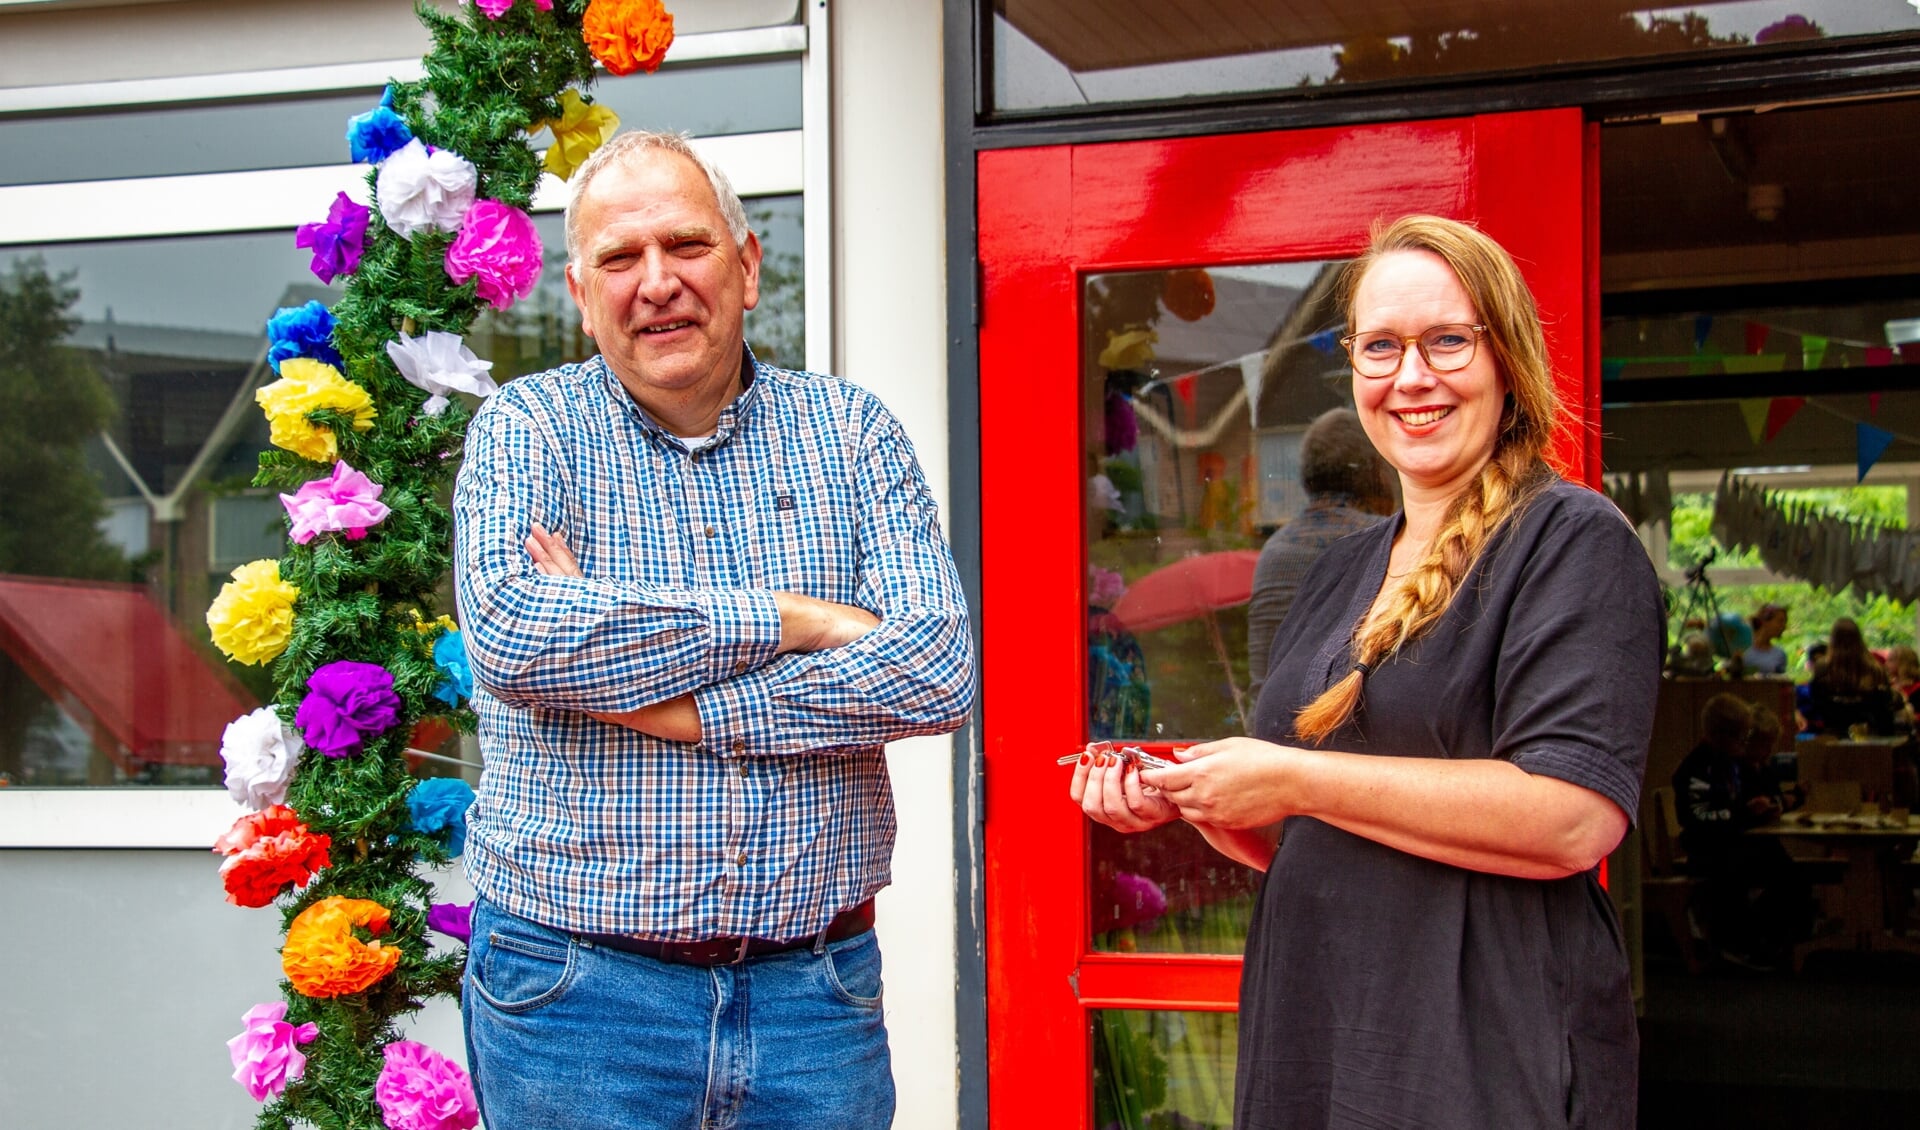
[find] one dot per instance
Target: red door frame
(1048, 217)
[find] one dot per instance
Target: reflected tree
(51, 403)
(1576, 32)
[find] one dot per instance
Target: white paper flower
(421, 191)
(441, 363)
(260, 754)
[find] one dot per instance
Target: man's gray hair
(633, 142)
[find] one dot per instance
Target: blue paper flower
(375, 135)
(450, 655)
(302, 331)
(440, 803)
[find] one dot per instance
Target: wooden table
(1868, 848)
(1882, 765)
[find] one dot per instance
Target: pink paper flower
(497, 8)
(347, 501)
(499, 247)
(420, 1089)
(337, 241)
(266, 1054)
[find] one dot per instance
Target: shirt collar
(731, 416)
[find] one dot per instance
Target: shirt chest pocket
(808, 540)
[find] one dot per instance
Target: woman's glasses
(1377, 353)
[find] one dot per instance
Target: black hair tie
(1363, 669)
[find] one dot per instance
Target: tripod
(1697, 598)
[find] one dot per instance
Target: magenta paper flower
(454, 919)
(499, 247)
(345, 501)
(266, 1054)
(337, 241)
(440, 363)
(497, 8)
(346, 703)
(420, 1089)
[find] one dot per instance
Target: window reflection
(1197, 385)
(130, 444)
(1053, 53)
(744, 97)
(1163, 1069)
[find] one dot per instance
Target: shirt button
(743, 771)
(742, 861)
(711, 532)
(739, 745)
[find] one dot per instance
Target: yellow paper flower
(1131, 349)
(253, 615)
(306, 385)
(322, 958)
(582, 128)
(440, 623)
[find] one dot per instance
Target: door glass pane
(1197, 385)
(1059, 54)
(1163, 1069)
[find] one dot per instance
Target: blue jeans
(562, 1033)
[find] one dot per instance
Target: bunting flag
(1755, 363)
(1780, 410)
(1873, 443)
(1610, 368)
(1702, 326)
(1755, 411)
(1756, 337)
(1873, 404)
(1326, 341)
(1702, 366)
(1879, 355)
(1910, 352)
(1186, 386)
(1813, 350)
(1252, 372)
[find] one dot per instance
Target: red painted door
(1157, 326)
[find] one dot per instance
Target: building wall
(889, 200)
(125, 971)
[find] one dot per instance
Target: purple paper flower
(337, 241)
(440, 804)
(498, 247)
(420, 1089)
(346, 500)
(454, 919)
(375, 135)
(266, 1054)
(346, 703)
(302, 331)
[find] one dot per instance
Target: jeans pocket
(518, 973)
(853, 970)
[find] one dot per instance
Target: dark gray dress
(1386, 990)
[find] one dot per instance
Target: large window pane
(1057, 54)
(130, 442)
(745, 97)
(1197, 385)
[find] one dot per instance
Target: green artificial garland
(496, 73)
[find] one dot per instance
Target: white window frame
(759, 164)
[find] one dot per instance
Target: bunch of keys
(1131, 754)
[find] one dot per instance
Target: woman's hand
(1109, 790)
(1234, 784)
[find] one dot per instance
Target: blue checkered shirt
(782, 815)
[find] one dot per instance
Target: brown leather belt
(732, 951)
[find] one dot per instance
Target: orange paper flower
(628, 35)
(322, 956)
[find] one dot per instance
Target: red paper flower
(258, 825)
(1188, 294)
(628, 35)
(257, 875)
